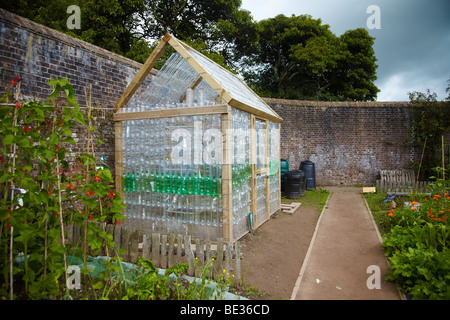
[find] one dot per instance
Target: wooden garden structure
(197, 151)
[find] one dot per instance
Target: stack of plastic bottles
(274, 166)
(164, 196)
(241, 172)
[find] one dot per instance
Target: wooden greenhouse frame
(225, 102)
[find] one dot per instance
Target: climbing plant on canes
(34, 162)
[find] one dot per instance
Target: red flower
(14, 81)
(90, 193)
(69, 186)
(26, 128)
(18, 106)
(97, 178)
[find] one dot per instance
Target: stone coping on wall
(307, 103)
(39, 29)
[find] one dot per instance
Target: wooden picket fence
(401, 182)
(166, 251)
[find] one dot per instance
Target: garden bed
(416, 237)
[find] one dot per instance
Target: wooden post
(279, 166)
(267, 191)
(118, 157)
(146, 246)
(227, 196)
(253, 147)
(189, 254)
(237, 261)
(219, 258)
(155, 249)
(164, 251)
(228, 258)
(170, 259)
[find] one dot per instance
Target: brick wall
(37, 54)
(348, 141)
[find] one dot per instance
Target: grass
(315, 199)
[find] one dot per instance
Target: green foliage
(430, 120)
(417, 241)
(300, 58)
(33, 158)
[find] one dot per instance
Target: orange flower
(414, 203)
(69, 186)
(391, 213)
(413, 208)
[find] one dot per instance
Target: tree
(430, 120)
(300, 58)
(221, 24)
(127, 27)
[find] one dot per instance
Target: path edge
(308, 253)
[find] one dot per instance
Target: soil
(273, 256)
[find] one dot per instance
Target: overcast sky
(412, 46)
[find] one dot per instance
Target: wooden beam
(227, 192)
(142, 74)
(168, 113)
(118, 159)
(279, 165)
(253, 147)
(267, 191)
(259, 113)
(181, 49)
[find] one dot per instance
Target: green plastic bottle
(125, 182)
(133, 182)
(138, 182)
(207, 185)
(214, 188)
(196, 183)
(151, 182)
(190, 185)
(146, 185)
(157, 182)
(173, 183)
(182, 184)
(165, 183)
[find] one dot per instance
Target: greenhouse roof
(189, 68)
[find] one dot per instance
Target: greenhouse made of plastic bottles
(197, 151)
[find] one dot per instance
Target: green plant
(34, 159)
(422, 272)
(430, 120)
(416, 238)
(204, 288)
